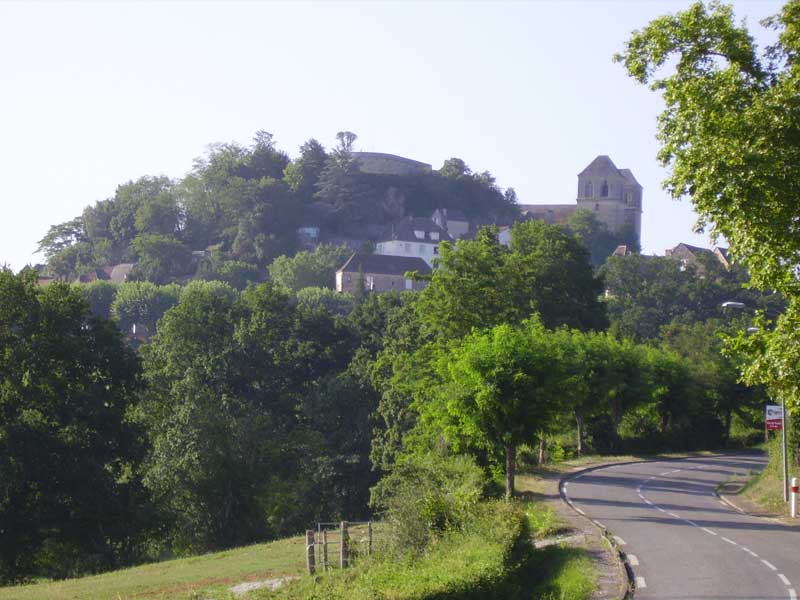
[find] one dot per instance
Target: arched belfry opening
(588, 190)
(604, 190)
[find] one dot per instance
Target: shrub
(424, 497)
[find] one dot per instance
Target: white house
(415, 237)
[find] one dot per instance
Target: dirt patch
(249, 586)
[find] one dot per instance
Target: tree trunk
(511, 467)
(579, 421)
(541, 450)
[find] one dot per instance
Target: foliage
(67, 452)
(309, 269)
(729, 128)
(142, 303)
(596, 237)
(99, 295)
(424, 497)
(161, 258)
(481, 283)
(326, 299)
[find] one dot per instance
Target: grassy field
(204, 577)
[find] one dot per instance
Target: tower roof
(601, 165)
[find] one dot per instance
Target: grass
(492, 558)
(766, 489)
(203, 577)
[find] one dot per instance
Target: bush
(424, 497)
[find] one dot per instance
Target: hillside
(253, 204)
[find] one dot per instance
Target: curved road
(681, 539)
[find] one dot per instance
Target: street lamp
(740, 306)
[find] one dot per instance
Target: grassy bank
(491, 558)
(766, 489)
(207, 576)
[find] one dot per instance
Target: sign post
(776, 421)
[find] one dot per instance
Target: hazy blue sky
(95, 94)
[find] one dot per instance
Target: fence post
(369, 538)
(324, 550)
(343, 549)
(310, 562)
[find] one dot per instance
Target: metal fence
(337, 545)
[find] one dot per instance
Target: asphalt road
(682, 540)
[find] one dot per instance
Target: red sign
(774, 417)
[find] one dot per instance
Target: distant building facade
(612, 194)
(413, 237)
(694, 255)
(380, 273)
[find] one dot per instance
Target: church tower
(612, 194)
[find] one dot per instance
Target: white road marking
(661, 509)
(665, 473)
(640, 583)
(640, 496)
(634, 561)
(648, 501)
(565, 485)
(724, 539)
(707, 530)
(578, 510)
(769, 564)
(692, 523)
(792, 594)
(783, 578)
(750, 552)
(619, 540)
(599, 524)
(672, 514)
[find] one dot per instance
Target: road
(682, 540)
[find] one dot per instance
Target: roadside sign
(774, 417)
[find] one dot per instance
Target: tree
(99, 296)
(142, 304)
(481, 283)
(302, 174)
(161, 258)
(729, 128)
(309, 269)
(595, 236)
(500, 388)
(68, 455)
(326, 299)
(729, 134)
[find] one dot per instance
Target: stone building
(453, 221)
(380, 273)
(612, 194)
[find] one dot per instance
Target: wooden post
(310, 562)
(343, 549)
(369, 538)
(324, 550)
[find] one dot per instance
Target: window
(434, 235)
(436, 249)
(409, 284)
(420, 234)
(588, 189)
(604, 190)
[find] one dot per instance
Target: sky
(95, 94)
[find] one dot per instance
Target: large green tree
(68, 491)
(499, 389)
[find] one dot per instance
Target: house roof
(92, 275)
(453, 214)
(404, 230)
(381, 264)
